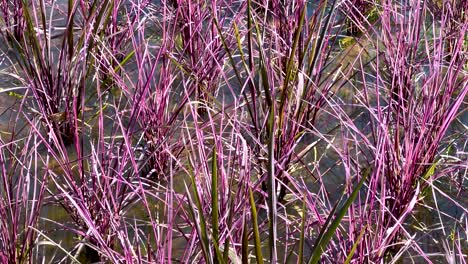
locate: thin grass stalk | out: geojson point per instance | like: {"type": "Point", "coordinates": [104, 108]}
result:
{"type": "Point", "coordinates": [214, 203]}
{"type": "Point", "coordinates": [272, 198]}
{"type": "Point", "coordinates": [302, 233]}
{"type": "Point", "coordinates": [256, 233]}
{"type": "Point", "coordinates": [322, 242]}
{"type": "Point", "coordinates": [203, 230]}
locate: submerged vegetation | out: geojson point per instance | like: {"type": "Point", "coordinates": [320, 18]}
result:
{"type": "Point", "coordinates": [227, 131]}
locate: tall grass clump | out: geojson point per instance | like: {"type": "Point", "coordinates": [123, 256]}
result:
{"type": "Point", "coordinates": [56, 47]}
{"type": "Point", "coordinates": [23, 190]}
{"type": "Point", "coordinates": [412, 91]}
{"type": "Point", "coordinates": [223, 131]}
